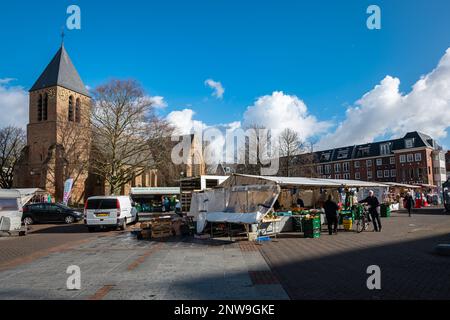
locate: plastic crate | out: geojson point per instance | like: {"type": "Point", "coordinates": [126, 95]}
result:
{"type": "Point", "coordinates": [385, 210]}
{"type": "Point", "coordinates": [312, 234]}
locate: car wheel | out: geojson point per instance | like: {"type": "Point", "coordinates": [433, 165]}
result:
{"type": "Point", "coordinates": [28, 220]}
{"type": "Point", "coordinates": [124, 224]}
{"type": "Point", "coordinates": [69, 219]}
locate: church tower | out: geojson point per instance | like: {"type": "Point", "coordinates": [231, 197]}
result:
{"type": "Point", "coordinates": [58, 133]}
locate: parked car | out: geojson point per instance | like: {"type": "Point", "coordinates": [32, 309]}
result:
{"type": "Point", "coordinates": [109, 212]}
{"type": "Point", "coordinates": [50, 212]}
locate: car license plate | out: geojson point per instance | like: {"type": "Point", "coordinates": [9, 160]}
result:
{"type": "Point", "coordinates": [102, 214]}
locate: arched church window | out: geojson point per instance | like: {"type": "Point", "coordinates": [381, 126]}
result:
{"type": "Point", "coordinates": [39, 109]}
{"type": "Point", "coordinates": [45, 108]}
{"type": "Point", "coordinates": [78, 110]}
{"type": "Point", "coordinates": [70, 108]}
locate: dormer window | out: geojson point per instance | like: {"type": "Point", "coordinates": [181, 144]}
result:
{"type": "Point", "coordinates": [364, 152]}
{"type": "Point", "coordinates": [409, 143]}
{"type": "Point", "coordinates": [342, 154]}
{"type": "Point", "coordinates": [385, 148]}
{"type": "Point", "coordinates": [325, 156]}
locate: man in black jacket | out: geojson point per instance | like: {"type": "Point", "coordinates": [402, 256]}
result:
{"type": "Point", "coordinates": [373, 203]}
{"type": "Point", "coordinates": [331, 212]}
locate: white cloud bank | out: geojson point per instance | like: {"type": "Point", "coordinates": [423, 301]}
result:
{"type": "Point", "coordinates": [13, 104]}
{"type": "Point", "coordinates": [279, 111]}
{"type": "Point", "coordinates": [218, 89]}
{"type": "Point", "coordinates": [386, 111]}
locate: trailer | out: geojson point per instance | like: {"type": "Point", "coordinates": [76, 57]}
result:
{"type": "Point", "coordinates": [11, 210]}
{"type": "Point", "coordinates": [11, 213]}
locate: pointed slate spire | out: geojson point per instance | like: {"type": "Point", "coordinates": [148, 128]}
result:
{"type": "Point", "coordinates": [61, 72]}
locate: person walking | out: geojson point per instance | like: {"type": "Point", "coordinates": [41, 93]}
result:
{"type": "Point", "coordinates": [373, 203]}
{"type": "Point", "coordinates": [409, 203]}
{"type": "Point", "coordinates": [331, 212]}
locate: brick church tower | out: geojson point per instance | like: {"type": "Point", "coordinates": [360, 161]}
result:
{"type": "Point", "coordinates": [58, 133]}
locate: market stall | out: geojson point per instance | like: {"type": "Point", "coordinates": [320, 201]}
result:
{"type": "Point", "coordinates": [397, 193]}
{"type": "Point", "coordinates": [257, 200]}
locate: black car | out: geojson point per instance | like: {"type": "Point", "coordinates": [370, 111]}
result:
{"type": "Point", "coordinates": [50, 212]}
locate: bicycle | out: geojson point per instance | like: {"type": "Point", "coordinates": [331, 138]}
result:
{"type": "Point", "coordinates": [363, 221]}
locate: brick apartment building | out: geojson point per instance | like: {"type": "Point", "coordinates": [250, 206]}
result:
{"type": "Point", "coordinates": [415, 158]}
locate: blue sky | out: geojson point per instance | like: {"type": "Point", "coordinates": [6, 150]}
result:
{"type": "Point", "coordinates": [320, 52]}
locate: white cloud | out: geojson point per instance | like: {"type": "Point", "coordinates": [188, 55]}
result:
{"type": "Point", "coordinates": [280, 111]}
{"type": "Point", "coordinates": [184, 123]}
{"type": "Point", "coordinates": [386, 111]}
{"type": "Point", "coordinates": [158, 102]}
{"type": "Point", "coordinates": [217, 87]}
{"type": "Point", "coordinates": [13, 104]}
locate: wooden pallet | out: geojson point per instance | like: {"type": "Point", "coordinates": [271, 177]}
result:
{"type": "Point", "coordinates": [161, 234]}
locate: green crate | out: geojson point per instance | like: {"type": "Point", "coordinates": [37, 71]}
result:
{"type": "Point", "coordinates": [385, 210]}
{"type": "Point", "coordinates": [312, 234]}
{"type": "Point", "coordinates": [311, 224]}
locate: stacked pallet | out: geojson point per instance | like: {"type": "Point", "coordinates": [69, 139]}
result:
{"type": "Point", "coordinates": [161, 228]}
{"type": "Point", "coordinates": [154, 229]}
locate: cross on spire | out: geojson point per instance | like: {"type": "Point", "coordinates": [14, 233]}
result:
{"type": "Point", "coordinates": [62, 36]}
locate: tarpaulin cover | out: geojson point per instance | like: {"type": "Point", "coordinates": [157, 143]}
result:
{"type": "Point", "coordinates": [239, 204]}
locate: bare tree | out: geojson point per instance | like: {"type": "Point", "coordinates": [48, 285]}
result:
{"type": "Point", "coordinates": [125, 129]}
{"type": "Point", "coordinates": [12, 141]}
{"type": "Point", "coordinates": [290, 146]}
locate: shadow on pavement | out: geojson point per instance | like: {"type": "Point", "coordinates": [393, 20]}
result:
{"type": "Point", "coordinates": [409, 270]}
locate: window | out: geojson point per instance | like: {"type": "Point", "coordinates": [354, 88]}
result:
{"type": "Point", "coordinates": [337, 167]}
{"type": "Point", "coordinates": [45, 108]}
{"type": "Point", "coordinates": [369, 163]}
{"type": "Point", "coordinates": [409, 143]}
{"type": "Point", "coordinates": [8, 204]}
{"type": "Point", "coordinates": [385, 148]}
{"type": "Point", "coordinates": [327, 169]}
{"type": "Point", "coordinates": [410, 157]}
{"type": "Point", "coordinates": [337, 176]}
{"type": "Point", "coordinates": [356, 164]}
{"type": "Point", "coordinates": [78, 110]}
{"type": "Point", "coordinates": [386, 173]}
{"type": "Point", "coordinates": [342, 154]}
{"type": "Point", "coordinates": [347, 176]}
{"type": "Point", "coordinates": [70, 108]}
{"type": "Point", "coordinates": [319, 169]}
{"type": "Point", "coordinates": [325, 156]}
{"type": "Point", "coordinates": [39, 110]}
{"type": "Point", "coordinates": [392, 160]}
{"type": "Point", "coordinates": [345, 166]}
{"type": "Point", "coordinates": [379, 173]}
{"type": "Point", "coordinates": [418, 157]}
{"type": "Point", "coordinates": [379, 162]}
{"type": "Point", "coordinates": [393, 173]}
{"type": "Point", "coordinates": [363, 152]}
{"type": "Point", "coordinates": [357, 175]}
{"type": "Point", "coordinates": [95, 204]}
{"type": "Point", "coordinates": [369, 174]}
{"type": "Point", "coordinates": [402, 158]}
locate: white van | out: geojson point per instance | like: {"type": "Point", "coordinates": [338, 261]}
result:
{"type": "Point", "coordinates": [11, 211]}
{"type": "Point", "coordinates": [109, 212]}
